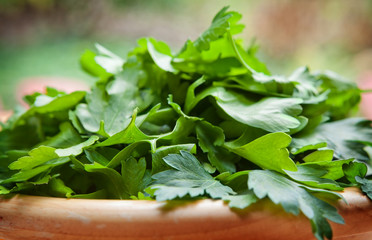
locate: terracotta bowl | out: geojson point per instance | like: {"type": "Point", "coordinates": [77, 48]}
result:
{"type": "Point", "coordinates": [40, 218]}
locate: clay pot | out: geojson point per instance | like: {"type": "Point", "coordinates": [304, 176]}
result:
{"type": "Point", "coordinates": [40, 218]}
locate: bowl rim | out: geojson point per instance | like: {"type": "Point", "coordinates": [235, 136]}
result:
{"type": "Point", "coordinates": [31, 217]}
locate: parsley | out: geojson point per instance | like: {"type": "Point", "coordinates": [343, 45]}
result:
{"type": "Point", "coordinates": [209, 121]}
{"type": "Point", "coordinates": [294, 198]}
{"type": "Point", "coordinates": [187, 178]}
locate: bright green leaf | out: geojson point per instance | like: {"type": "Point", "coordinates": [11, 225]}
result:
{"type": "Point", "coordinates": [319, 156]}
{"type": "Point", "coordinates": [269, 152]}
{"type": "Point", "coordinates": [36, 157]}
{"type": "Point", "coordinates": [77, 149]}
{"type": "Point", "coordinates": [242, 200]}
{"type": "Point", "coordinates": [312, 176]}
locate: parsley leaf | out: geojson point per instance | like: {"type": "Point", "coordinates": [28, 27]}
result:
{"type": "Point", "coordinates": [241, 200]}
{"type": "Point", "coordinates": [220, 24]}
{"type": "Point", "coordinates": [135, 176]}
{"type": "Point", "coordinates": [211, 140]}
{"type": "Point", "coordinates": [108, 111]}
{"type": "Point", "coordinates": [294, 198]}
{"type": "Point", "coordinates": [187, 177]}
{"type": "Point", "coordinates": [312, 176]}
{"type": "Point", "coordinates": [268, 151]}
{"type": "Point", "coordinates": [366, 185]}
{"type": "Point", "coordinates": [347, 143]}
{"type": "Point", "coordinates": [270, 114]}
{"type": "Point", "coordinates": [36, 157]}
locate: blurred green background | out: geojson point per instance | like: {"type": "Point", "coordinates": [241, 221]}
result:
{"type": "Point", "coordinates": [45, 38]}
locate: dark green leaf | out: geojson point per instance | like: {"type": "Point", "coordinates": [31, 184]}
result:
{"type": "Point", "coordinates": [133, 173]}
{"type": "Point", "coordinates": [270, 114]}
{"type": "Point", "coordinates": [353, 170]}
{"type": "Point", "coordinates": [366, 186]}
{"type": "Point", "coordinates": [187, 178]}
{"type": "Point", "coordinates": [113, 181]}
{"type": "Point", "coordinates": [159, 165]}
{"type": "Point", "coordinates": [66, 137]}
{"type": "Point", "coordinates": [293, 198]}
{"type": "Point", "coordinates": [211, 140]}
{"type": "Point", "coordinates": [347, 143]}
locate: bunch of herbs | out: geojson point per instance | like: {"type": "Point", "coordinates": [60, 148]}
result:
{"type": "Point", "coordinates": [210, 121]}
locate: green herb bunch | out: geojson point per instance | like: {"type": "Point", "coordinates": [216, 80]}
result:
{"type": "Point", "coordinates": [208, 122]}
